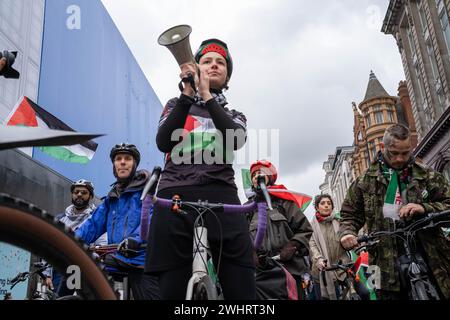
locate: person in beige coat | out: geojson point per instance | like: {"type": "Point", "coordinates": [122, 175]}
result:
{"type": "Point", "coordinates": [325, 248]}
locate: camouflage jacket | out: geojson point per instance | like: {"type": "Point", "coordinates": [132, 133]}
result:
{"type": "Point", "coordinates": [364, 204]}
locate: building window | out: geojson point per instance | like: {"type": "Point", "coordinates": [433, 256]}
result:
{"type": "Point", "coordinates": [374, 152]}
{"type": "Point", "coordinates": [421, 86]}
{"type": "Point", "coordinates": [368, 121]}
{"type": "Point", "coordinates": [422, 16]}
{"type": "Point", "coordinates": [436, 81]}
{"type": "Point", "coordinates": [441, 97]}
{"type": "Point", "coordinates": [443, 17]}
{"type": "Point", "coordinates": [379, 117]}
{"type": "Point", "coordinates": [411, 43]}
{"type": "Point", "coordinates": [390, 116]}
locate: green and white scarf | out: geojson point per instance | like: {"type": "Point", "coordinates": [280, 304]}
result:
{"type": "Point", "coordinates": [396, 192]}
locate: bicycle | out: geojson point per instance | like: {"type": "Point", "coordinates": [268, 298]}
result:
{"type": "Point", "coordinates": [47, 294]}
{"type": "Point", "coordinates": [118, 275]}
{"type": "Point", "coordinates": [24, 225]}
{"type": "Point", "coordinates": [350, 287]}
{"type": "Point", "coordinates": [414, 273]}
{"type": "Point", "coordinates": [204, 283]}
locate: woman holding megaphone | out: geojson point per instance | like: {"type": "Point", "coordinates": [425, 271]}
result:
{"type": "Point", "coordinates": [199, 134]}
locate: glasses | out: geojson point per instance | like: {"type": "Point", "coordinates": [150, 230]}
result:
{"type": "Point", "coordinates": [82, 192]}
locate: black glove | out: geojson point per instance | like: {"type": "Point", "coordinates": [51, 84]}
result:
{"type": "Point", "coordinates": [129, 247]}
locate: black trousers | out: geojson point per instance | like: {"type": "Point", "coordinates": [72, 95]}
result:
{"type": "Point", "coordinates": [170, 244]}
{"type": "Point", "coordinates": [237, 282]}
{"type": "Point", "coordinates": [143, 286]}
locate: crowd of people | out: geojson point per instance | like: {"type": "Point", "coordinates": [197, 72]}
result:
{"type": "Point", "coordinates": [161, 268]}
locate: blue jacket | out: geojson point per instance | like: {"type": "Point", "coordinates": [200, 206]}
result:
{"type": "Point", "coordinates": [120, 216]}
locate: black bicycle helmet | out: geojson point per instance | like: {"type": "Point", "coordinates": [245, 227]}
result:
{"type": "Point", "coordinates": [215, 45]}
{"type": "Point", "coordinates": [83, 183]}
{"type": "Point", "coordinates": [126, 148]}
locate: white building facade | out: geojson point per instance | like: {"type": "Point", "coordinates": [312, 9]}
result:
{"type": "Point", "coordinates": [21, 30]}
{"type": "Point", "coordinates": [338, 175]}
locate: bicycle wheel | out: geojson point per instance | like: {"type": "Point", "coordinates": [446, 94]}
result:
{"type": "Point", "coordinates": [420, 291]}
{"type": "Point", "coordinates": [205, 289]}
{"type": "Point", "coordinates": [354, 296]}
{"type": "Point", "coordinates": [26, 226]}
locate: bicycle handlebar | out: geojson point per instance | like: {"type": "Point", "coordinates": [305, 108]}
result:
{"type": "Point", "coordinates": [436, 215]}
{"type": "Point", "coordinates": [226, 208]}
{"type": "Point", "coordinates": [432, 217]}
{"type": "Point", "coordinates": [339, 266]}
{"type": "Point", "coordinates": [151, 184]}
{"type": "Point", "coordinates": [149, 199]}
{"type": "Point", "coordinates": [22, 276]}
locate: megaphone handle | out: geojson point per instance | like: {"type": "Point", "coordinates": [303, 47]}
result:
{"type": "Point", "coordinates": [189, 79]}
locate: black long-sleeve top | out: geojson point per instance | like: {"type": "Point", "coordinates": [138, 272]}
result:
{"type": "Point", "coordinates": [204, 119]}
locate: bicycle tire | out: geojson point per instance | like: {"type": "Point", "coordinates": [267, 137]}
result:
{"type": "Point", "coordinates": [65, 298]}
{"type": "Point", "coordinates": [420, 291]}
{"type": "Point", "coordinates": [354, 296]}
{"type": "Point", "coordinates": [205, 289]}
{"type": "Point", "coordinates": [26, 226]}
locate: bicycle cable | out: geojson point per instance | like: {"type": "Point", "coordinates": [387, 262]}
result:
{"type": "Point", "coordinates": [200, 216]}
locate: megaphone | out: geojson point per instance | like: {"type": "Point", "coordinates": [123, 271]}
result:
{"type": "Point", "coordinates": [176, 39]}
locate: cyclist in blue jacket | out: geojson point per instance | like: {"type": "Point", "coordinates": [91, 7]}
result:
{"type": "Point", "coordinates": [120, 216]}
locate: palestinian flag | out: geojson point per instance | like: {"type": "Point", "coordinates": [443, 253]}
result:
{"type": "Point", "coordinates": [361, 264]}
{"type": "Point", "coordinates": [247, 182]}
{"type": "Point", "coordinates": [200, 135]}
{"type": "Point", "coordinates": [280, 191]}
{"type": "Point", "coordinates": [393, 200]}
{"type": "Point", "coordinates": [27, 113]}
{"type": "Point", "coordinates": [301, 200]}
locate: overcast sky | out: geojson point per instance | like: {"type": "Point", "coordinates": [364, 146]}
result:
{"type": "Point", "coordinates": [298, 65]}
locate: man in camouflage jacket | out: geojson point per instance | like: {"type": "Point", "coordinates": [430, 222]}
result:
{"type": "Point", "coordinates": [426, 191]}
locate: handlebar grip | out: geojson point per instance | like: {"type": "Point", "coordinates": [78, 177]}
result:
{"type": "Point", "coordinates": [237, 208]}
{"type": "Point", "coordinates": [363, 238]}
{"type": "Point", "coordinates": [437, 215]}
{"type": "Point", "coordinates": [262, 225]}
{"type": "Point", "coordinates": [145, 213]}
{"type": "Point", "coordinates": [151, 184]}
{"type": "Point", "coordinates": [263, 187]}
{"type": "Point", "coordinates": [332, 268]}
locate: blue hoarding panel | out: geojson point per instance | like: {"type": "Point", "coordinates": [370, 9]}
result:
{"type": "Point", "coordinates": [90, 80]}
{"type": "Point", "coordinates": [13, 261]}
